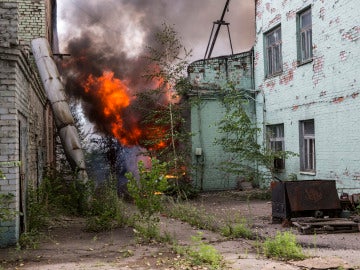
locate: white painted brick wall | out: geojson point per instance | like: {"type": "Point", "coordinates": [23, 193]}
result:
{"type": "Point", "coordinates": [327, 89]}
{"type": "Point", "coordinates": [22, 99]}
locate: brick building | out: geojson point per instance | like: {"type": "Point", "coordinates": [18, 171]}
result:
{"type": "Point", "coordinates": [307, 76]}
{"type": "Point", "coordinates": [306, 65]}
{"type": "Point", "coordinates": [26, 120]}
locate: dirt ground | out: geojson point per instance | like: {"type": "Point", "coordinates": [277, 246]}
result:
{"type": "Point", "coordinates": [66, 245]}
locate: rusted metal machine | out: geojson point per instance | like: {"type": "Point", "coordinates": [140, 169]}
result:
{"type": "Point", "coordinates": [308, 198]}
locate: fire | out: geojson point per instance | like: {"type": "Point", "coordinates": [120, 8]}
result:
{"type": "Point", "coordinates": [115, 98]}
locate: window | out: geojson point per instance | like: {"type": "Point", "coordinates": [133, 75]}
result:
{"type": "Point", "coordinates": [276, 143]}
{"type": "Point", "coordinates": [307, 146]}
{"type": "Point", "coordinates": [273, 52]}
{"type": "Point", "coordinates": [305, 36]}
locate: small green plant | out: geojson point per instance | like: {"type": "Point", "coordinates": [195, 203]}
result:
{"type": "Point", "coordinates": [283, 247]}
{"type": "Point", "coordinates": [6, 213]}
{"type": "Point", "coordinates": [237, 230]}
{"type": "Point", "coordinates": [58, 193]}
{"type": "Point", "coordinates": [147, 194]}
{"type": "Point", "coordinates": [147, 231]}
{"type": "Point", "coordinates": [195, 216]}
{"type": "Point", "coordinates": [29, 240]}
{"type": "Point", "coordinates": [357, 209]}
{"type": "Point", "coordinates": [106, 210]}
{"type": "Point", "coordinates": [200, 253]}
{"type": "Point", "coordinates": [37, 211]}
{"type": "Point", "coordinates": [239, 139]}
{"type": "Point", "coordinates": [147, 191]}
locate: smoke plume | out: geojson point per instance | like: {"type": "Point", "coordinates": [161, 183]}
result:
{"type": "Point", "coordinates": [113, 36]}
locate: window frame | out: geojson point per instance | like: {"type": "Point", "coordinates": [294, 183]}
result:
{"type": "Point", "coordinates": [273, 67]}
{"type": "Point", "coordinates": [307, 148]}
{"type": "Point", "coordinates": [304, 36]}
{"type": "Point", "coordinates": [272, 139]}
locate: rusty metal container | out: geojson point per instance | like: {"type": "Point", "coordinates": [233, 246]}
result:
{"type": "Point", "coordinates": [305, 198]}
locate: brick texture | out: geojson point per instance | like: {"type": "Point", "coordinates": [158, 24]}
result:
{"type": "Point", "coordinates": [26, 124]}
{"type": "Point", "coordinates": [326, 89]}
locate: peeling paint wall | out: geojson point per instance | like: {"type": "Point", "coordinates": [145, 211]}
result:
{"type": "Point", "coordinates": [207, 78]}
{"type": "Point", "coordinates": [26, 121]}
{"type": "Point", "coordinates": [325, 89]}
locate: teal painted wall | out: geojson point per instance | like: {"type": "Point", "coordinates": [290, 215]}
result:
{"type": "Point", "coordinates": [207, 78]}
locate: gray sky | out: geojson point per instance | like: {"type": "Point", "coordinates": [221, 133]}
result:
{"type": "Point", "coordinates": [128, 23]}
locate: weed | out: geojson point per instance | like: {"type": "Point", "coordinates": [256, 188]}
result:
{"type": "Point", "coordinates": [148, 231]}
{"type": "Point", "coordinates": [357, 209]}
{"type": "Point", "coordinates": [126, 253]}
{"type": "Point", "coordinates": [315, 242]}
{"type": "Point", "coordinates": [37, 212]}
{"type": "Point", "coordinates": [201, 253]}
{"type": "Point", "coordinates": [237, 230]}
{"type": "Point", "coordinates": [6, 213]}
{"type": "Point", "coordinates": [283, 246]}
{"type": "Point", "coordinates": [29, 240]}
{"type": "Point", "coordinates": [195, 216]}
{"type": "Point", "coordinates": [106, 210]}
{"type": "Point", "coordinates": [147, 194]}
{"type": "Point", "coordinates": [147, 191]}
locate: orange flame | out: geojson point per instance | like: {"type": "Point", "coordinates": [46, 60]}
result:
{"type": "Point", "coordinates": [115, 98]}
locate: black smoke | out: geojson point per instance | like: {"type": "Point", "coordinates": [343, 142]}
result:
{"type": "Point", "coordinates": [113, 35]}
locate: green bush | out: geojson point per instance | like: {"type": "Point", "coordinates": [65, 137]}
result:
{"type": "Point", "coordinates": [63, 193]}
{"type": "Point", "coordinates": [284, 247]}
{"type": "Point", "coordinates": [147, 190]}
{"type": "Point", "coordinates": [201, 253]}
{"type": "Point", "coordinates": [147, 193]}
{"type": "Point", "coordinates": [106, 210]}
{"type": "Point", "coordinates": [29, 240]}
{"type": "Point", "coordinates": [181, 188]}
{"type": "Point", "coordinates": [37, 210]}
{"type": "Point", "coordinates": [237, 230]}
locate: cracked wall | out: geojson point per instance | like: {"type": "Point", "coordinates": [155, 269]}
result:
{"type": "Point", "coordinates": [26, 121]}
{"type": "Point", "coordinates": [208, 77]}
{"type": "Point", "coordinates": [325, 89]}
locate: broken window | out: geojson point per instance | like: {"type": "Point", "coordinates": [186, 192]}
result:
{"type": "Point", "coordinates": [305, 36]}
{"type": "Point", "coordinates": [276, 143]}
{"type": "Point", "coordinates": [273, 52]}
{"type": "Point", "coordinates": [307, 146]}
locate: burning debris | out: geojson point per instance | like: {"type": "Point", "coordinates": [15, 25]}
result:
{"type": "Point", "coordinates": [108, 92]}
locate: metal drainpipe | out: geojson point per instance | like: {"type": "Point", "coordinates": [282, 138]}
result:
{"type": "Point", "coordinates": [263, 96]}
{"type": "Point", "coordinates": [200, 161]}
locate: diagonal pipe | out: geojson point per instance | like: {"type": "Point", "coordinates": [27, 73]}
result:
{"type": "Point", "coordinates": [64, 120]}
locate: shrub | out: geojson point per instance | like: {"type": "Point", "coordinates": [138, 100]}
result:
{"type": "Point", "coordinates": [106, 210]}
{"type": "Point", "coordinates": [283, 246]}
{"type": "Point", "coordinates": [201, 253]}
{"type": "Point", "coordinates": [147, 194]}
{"type": "Point", "coordinates": [237, 230]}
{"type": "Point", "coordinates": [147, 191]}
